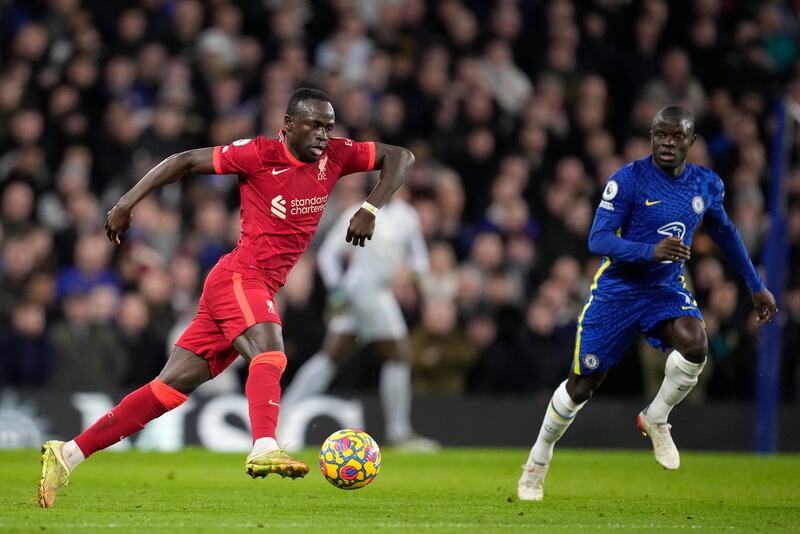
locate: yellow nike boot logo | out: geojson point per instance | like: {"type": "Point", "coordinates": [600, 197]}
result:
{"type": "Point", "coordinates": [649, 203]}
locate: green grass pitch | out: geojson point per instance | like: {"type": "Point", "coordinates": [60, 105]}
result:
{"type": "Point", "coordinates": [459, 490]}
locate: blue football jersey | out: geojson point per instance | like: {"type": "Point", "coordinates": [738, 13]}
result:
{"type": "Point", "coordinates": [643, 205]}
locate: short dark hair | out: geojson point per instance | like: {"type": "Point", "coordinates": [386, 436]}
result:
{"type": "Point", "coordinates": [675, 113]}
{"type": "Point", "coordinates": [302, 94]}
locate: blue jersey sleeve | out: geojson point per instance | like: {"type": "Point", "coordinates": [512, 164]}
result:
{"type": "Point", "coordinates": [615, 207]}
{"type": "Point", "coordinates": [722, 230]}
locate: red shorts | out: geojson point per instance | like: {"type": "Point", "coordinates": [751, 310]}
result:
{"type": "Point", "coordinates": [230, 304]}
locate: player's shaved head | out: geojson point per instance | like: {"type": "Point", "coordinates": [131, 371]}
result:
{"type": "Point", "coordinates": [301, 95]}
{"type": "Point", "coordinates": [671, 136]}
{"type": "Point", "coordinates": [308, 123]}
{"type": "Point", "coordinates": [676, 115]}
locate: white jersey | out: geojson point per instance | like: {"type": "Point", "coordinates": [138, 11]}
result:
{"type": "Point", "coordinates": [398, 236]}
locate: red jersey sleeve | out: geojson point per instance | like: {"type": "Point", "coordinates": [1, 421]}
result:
{"type": "Point", "coordinates": [240, 157]}
{"type": "Point", "coordinates": [356, 156]}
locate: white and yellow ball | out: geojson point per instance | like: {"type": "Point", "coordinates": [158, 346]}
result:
{"type": "Point", "coordinates": [350, 459]}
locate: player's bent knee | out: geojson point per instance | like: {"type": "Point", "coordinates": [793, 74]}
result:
{"type": "Point", "coordinates": [581, 387]}
{"type": "Point", "coordinates": [259, 338]}
{"type": "Point", "coordinates": [695, 348]}
{"type": "Point", "coordinates": [583, 394]}
{"type": "Point", "coordinates": [689, 337]}
{"type": "Point", "coordinates": [181, 380]}
{"type": "Point", "coordinates": [185, 371]}
{"type": "Point", "coordinates": [579, 397]}
{"type": "Point", "coordinates": [580, 390]}
{"type": "Point", "coordinates": [696, 353]}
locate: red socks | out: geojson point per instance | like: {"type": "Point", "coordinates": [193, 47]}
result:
{"type": "Point", "coordinates": [129, 416]}
{"type": "Point", "coordinates": [263, 390]}
{"type": "Point", "coordinates": [153, 400]}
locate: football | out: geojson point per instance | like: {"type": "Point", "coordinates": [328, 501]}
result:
{"type": "Point", "coordinates": [350, 459]}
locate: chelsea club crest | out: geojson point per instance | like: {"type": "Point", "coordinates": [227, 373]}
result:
{"type": "Point", "coordinates": [590, 361]}
{"type": "Point", "coordinates": [698, 205]}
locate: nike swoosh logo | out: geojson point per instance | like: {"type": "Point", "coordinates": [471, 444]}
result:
{"type": "Point", "coordinates": [688, 307]}
{"type": "Point", "coordinates": [646, 202]}
{"type": "Point", "coordinates": [276, 172]}
{"type": "Point", "coordinates": [273, 403]}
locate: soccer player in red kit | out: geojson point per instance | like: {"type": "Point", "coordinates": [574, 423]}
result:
{"type": "Point", "coordinates": [284, 185]}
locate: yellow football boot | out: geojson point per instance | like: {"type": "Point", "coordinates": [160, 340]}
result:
{"type": "Point", "coordinates": [54, 473]}
{"type": "Point", "coordinates": [275, 461]}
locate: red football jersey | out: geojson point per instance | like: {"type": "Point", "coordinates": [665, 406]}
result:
{"type": "Point", "coordinates": [282, 199]}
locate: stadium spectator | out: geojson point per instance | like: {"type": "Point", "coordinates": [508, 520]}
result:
{"type": "Point", "coordinates": [507, 365]}
{"type": "Point", "coordinates": [547, 345]}
{"type": "Point", "coordinates": [517, 112]}
{"type": "Point", "coordinates": [18, 266]}
{"type": "Point", "coordinates": [145, 355]}
{"type": "Point", "coordinates": [26, 352]}
{"type": "Point", "coordinates": [91, 267]}
{"type": "Point", "coordinates": [676, 84]}
{"type": "Point", "coordinates": [17, 208]}
{"type": "Point", "coordinates": [89, 356]}
{"type": "Point", "coordinates": [730, 345]}
{"type": "Point", "coordinates": [442, 280]}
{"type": "Point", "coordinates": [440, 354]}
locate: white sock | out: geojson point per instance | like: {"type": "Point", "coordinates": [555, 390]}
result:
{"type": "Point", "coordinates": [72, 454]}
{"type": "Point", "coordinates": [680, 376]}
{"type": "Point", "coordinates": [263, 445]}
{"type": "Point", "coordinates": [560, 413]}
{"type": "Point", "coordinates": [313, 378]}
{"type": "Point", "coordinates": [395, 392]}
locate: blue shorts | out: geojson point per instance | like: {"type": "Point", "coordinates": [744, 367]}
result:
{"type": "Point", "coordinates": [608, 322]}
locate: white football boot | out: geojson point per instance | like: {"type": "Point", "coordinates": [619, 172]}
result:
{"type": "Point", "coordinates": [666, 452]}
{"type": "Point", "coordinates": [531, 483]}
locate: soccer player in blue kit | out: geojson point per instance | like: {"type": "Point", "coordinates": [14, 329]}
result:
{"type": "Point", "coordinates": [643, 229]}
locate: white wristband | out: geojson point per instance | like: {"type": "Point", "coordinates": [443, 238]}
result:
{"type": "Point", "coordinates": [370, 208]}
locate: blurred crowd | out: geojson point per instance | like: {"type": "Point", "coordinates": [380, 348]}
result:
{"type": "Point", "coordinates": [517, 112]}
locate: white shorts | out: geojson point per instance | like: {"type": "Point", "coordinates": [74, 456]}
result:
{"type": "Point", "coordinates": [371, 315]}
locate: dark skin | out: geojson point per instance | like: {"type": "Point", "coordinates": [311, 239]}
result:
{"type": "Point", "coordinates": [671, 137]}
{"type": "Point", "coordinates": [308, 131]}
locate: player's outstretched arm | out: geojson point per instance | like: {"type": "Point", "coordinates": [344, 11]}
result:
{"type": "Point", "coordinates": [395, 163]}
{"type": "Point", "coordinates": [199, 161]}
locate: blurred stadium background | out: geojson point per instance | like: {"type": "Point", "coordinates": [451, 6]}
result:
{"type": "Point", "coordinates": [517, 112]}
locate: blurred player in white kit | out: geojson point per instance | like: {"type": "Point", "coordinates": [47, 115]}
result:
{"type": "Point", "coordinates": [359, 281]}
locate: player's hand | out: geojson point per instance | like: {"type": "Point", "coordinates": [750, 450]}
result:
{"type": "Point", "coordinates": [672, 249]}
{"type": "Point", "coordinates": [362, 226]}
{"type": "Point", "coordinates": [765, 305]}
{"type": "Point", "coordinates": [118, 221]}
